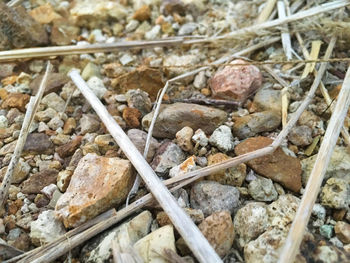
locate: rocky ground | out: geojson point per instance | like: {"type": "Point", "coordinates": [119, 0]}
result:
{"type": "Point", "coordinates": [72, 170]}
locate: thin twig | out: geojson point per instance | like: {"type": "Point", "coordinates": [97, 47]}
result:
{"type": "Point", "coordinates": [28, 118]}
{"type": "Point", "coordinates": [266, 12]}
{"type": "Point", "coordinates": [13, 3]}
{"type": "Point", "coordinates": [207, 101]}
{"type": "Point", "coordinates": [285, 36]}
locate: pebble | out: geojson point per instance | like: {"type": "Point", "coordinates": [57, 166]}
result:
{"type": "Point", "coordinates": [200, 138]}
{"type": "Point", "coordinates": [132, 117]}
{"type": "Point", "coordinates": [180, 64]}
{"type": "Point", "coordinates": [188, 165]}
{"type": "Point", "coordinates": [187, 29]}
{"type": "Point", "coordinates": [70, 147]}
{"type": "Point", "coordinates": [300, 135]}
{"type": "Point", "coordinates": [200, 80]}
{"type": "Point", "coordinates": [45, 115]}
{"type": "Point", "coordinates": [18, 239]}
{"type": "Point", "coordinates": [89, 123]}
{"type": "Point", "coordinates": [183, 139]}
{"type": "Point", "coordinates": [138, 138]}
{"type": "Point", "coordinates": [219, 231]}
{"type": "Point", "coordinates": [36, 182]}
{"type": "Point", "coordinates": [46, 228]}
{"type": "Point", "coordinates": [140, 100]}
{"type": "Point", "coordinates": [327, 231]}
{"type": "Point", "coordinates": [319, 211]}
{"type": "Point", "coordinates": [52, 100]}
{"type": "Point", "coordinates": [335, 193]}
{"type": "Point", "coordinates": [262, 189]}
{"type": "Point", "coordinates": [3, 122]}
{"type": "Point", "coordinates": [38, 143]}
{"type": "Point", "coordinates": [97, 86]}
{"type": "Point", "coordinates": [20, 172]}
{"type": "Point", "coordinates": [167, 156]}
{"type": "Point", "coordinates": [63, 180]}
{"type": "Point", "coordinates": [105, 143]}
{"type": "Point", "coordinates": [267, 99]}
{"type": "Point", "coordinates": [277, 166]}
{"type": "Point", "coordinates": [250, 221]}
{"type": "Point", "coordinates": [237, 83]}
{"type": "Point", "coordinates": [153, 33]}
{"type": "Point", "coordinates": [282, 211]}
{"type": "Point", "coordinates": [143, 13]}
{"type": "Point", "coordinates": [342, 231]}
{"type": "Point", "coordinates": [175, 116]}
{"type": "Point", "coordinates": [55, 82]}
{"type": "Point", "coordinates": [252, 124]}
{"type": "Point", "coordinates": [211, 197]}
{"type": "Point", "coordinates": [222, 139]}
{"type": "Point", "coordinates": [196, 216]}
{"type": "Point", "coordinates": [131, 26]}
{"type": "Point", "coordinates": [69, 126]}
{"type": "Point", "coordinates": [15, 100]}
{"type": "Point", "coordinates": [83, 199]}
{"type": "Point", "coordinates": [55, 123]}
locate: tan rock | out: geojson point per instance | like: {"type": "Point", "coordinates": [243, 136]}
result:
{"type": "Point", "coordinates": [16, 100]}
{"type": "Point", "coordinates": [143, 13]}
{"type": "Point", "coordinates": [183, 138]}
{"type": "Point", "coordinates": [342, 230]}
{"type": "Point", "coordinates": [63, 32]}
{"type": "Point", "coordinates": [44, 14]}
{"type": "Point", "coordinates": [132, 117]}
{"type": "Point", "coordinates": [69, 126]}
{"type": "Point", "coordinates": [98, 183]}
{"type": "Point", "coordinates": [278, 166]}
{"type": "Point", "coordinates": [218, 229]}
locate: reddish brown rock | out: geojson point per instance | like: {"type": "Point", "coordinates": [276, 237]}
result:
{"type": "Point", "coordinates": [16, 100]}
{"type": "Point", "coordinates": [278, 166]}
{"type": "Point", "coordinates": [143, 13]}
{"type": "Point", "coordinates": [98, 183]}
{"type": "Point", "coordinates": [218, 229]}
{"type": "Point", "coordinates": [342, 230]}
{"type": "Point", "coordinates": [238, 82]}
{"type": "Point", "coordinates": [63, 32]}
{"type": "Point", "coordinates": [38, 181]}
{"type": "Point", "coordinates": [132, 117]}
{"type": "Point", "coordinates": [69, 148]}
{"type": "Point", "coordinates": [144, 78]}
{"type": "Point", "coordinates": [38, 143]}
{"type": "Point", "coordinates": [54, 83]}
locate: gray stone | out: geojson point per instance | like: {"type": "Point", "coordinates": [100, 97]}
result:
{"type": "Point", "coordinates": [153, 33]}
{"type": "Point", "coordinates": [38, 143]}
{"type": "Point", "coordinates": [200, 80]}
{"type": "Point", "coordinates": [89, 124]}
{"type": "Point", "coordinates": [262, 189]}
{"type": "Point", "coordinates": [300, 135]}
{"type": "Point", "coordinates": [267, 99]}
{"type": "Point", "coordinates": [3, 122]}
{"type": "Point", "coordinates": [187, 29]}
{"type": "Point", "coordinates": [200, 138]}
{"type": "Point", "coordinates": [222, 139]}
{"type": "Point", "coordinates": [175, 116]}
{"type": "Point", "coordinates": [55, 123]}
{"type": "Point", "coordinates": [20, 172]}
{"type": "Point", "coordinates": [131, 26]}
{"type": "Point", "coordinates": [336, 193]}
{"type": "Point", "coordinates": [211, 197]}
{"type": "Point", "coordinates": [183, 139]}
{"type": "Point", "coordinates": [45, 115]}
{"type": "Point", "coordinates": [52, 100]}
{"type": "Point", "coordinates": [319, 211]}
{"type": "Point", "coordinates": [140, 100]}
{"type": "Point", "coordinates": [179, 61]}
{"type": "Point", "coordinates": [97, 86]}
{"type": "Point", "coordinates": [90, 70]}
{"type": "Point", "coordinates": [138, 138]}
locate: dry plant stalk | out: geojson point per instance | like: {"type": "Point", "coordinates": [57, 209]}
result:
{"type": "Point", "coordinates": [266, 12]}
{"type": "Point", "coordinates": [28, 118]}
{"type": "Point", "coordinates": [285, 36]}
{"type": "Point", "coordinates": [195, 240]}
{"type": "Point", "coordinates": [324, 155]}
{"type": "Point", "coordinates": [315, 50]}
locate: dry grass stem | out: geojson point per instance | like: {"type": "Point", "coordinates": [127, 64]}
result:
{"type": "Point", "coordinates": [266, 12]}
{"type": "Point", "coordinates": [285, 36]}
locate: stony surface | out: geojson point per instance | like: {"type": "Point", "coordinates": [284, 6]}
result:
{"type": "Point", "coordinates": [174, 117]}
{"type": "Point", "coordinates": [222, 139]}
{"type": "Point", "coordinates": [83, 201]}
{"type": "Point", "coordinates": [278, 166]}
{"type": "Point", "coordinates": [20, 172]}
{"type": "Point", "coordinates": [211, 197]}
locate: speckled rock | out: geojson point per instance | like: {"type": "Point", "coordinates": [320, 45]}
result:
{"type": "Point", "coordinates": [250, 221]}
{"type": "Point", "coordinates": [132, 117]}
{"type": "Point", "coordinates": [300, 135]}
{"type": "Point", "coordinates": [282, 211]}
{"type": "Point", "coordinates": [45, 115]}
{"type": "Point", "coordinates": [83, 199]}
{"type": "Point", "coordinates": [335, 193]}
{"type": "Point", "coordinates": [140, 100]}
{"type": "Point", "coordinates": [8, 148]}
{"type": "Point", "coordinates": [278, 166]}
{"type": "Point", "coordinates": [105, 143]}
{"type": "Point", "coordinates": [237, 82]}
{"type": "Point", "coordinates": [222, 139]}
{"type": "Point", "coordinates": [46, 228]}
{"type": "Point", "coordinates": [219, 231]}
{"type": "Point", "coordinates": [187, 166]}
{"type": "Point", "coordinates": [183, 138]}
{"type": "Point", "coordinates": [63, 179]}
{"type": "Point", "coordinates": [211, 197]}
{"type": "Point", "coordinates": [167, 156]}
{"type": "Point", "coordinates": [175, 116]}
{"type": "Point", "coordinates": [200, 138]}
{"type": "Point", "coordinates": [20, 172]}
{"type": "Point", "coordinates": [52, 100]}
{"type": "Point", "coordinates": [54, 83]}
{"type": "Point", "coordinates": [252, 124]}
{"type": "Point", "coordinates": [262, 189]}
{"type": "Point", "coordinates": [342, 230]}
{"type": "Point", "coordinates": [36, 182]}
{"type": "Point", "coordinates": [326, 231]}
{"type": "Point", "coordinates": [233, 176]}
{"type": "Point", "coordinates": [89, 123]}
{"type": "Point", "coordinates": [138, 138]}
{"type": "Point", "coordinates": [329, 254]}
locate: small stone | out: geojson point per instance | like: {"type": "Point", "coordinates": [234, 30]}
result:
{"type": "Point", "coordinates": [219, 231]}
{"type": "Point", "coordinates": [38, 143]}
{"type": "Point", "coordinates": [3, 122]}
{"type": "Point", "coordinates": [200, 80]}
{"type": "Point", "coordinates": [222, 139]}
{"type": "Point", "coordinates": [335, 193]}
{"type": "Point", "coordinates": [237, 82]}
{"type": "Point", "coordinates": [105, 143]}
{"type": "Point", "coordinates": [153, 33]}
{"type": "Point", "coordinates": [69, 126]}
{"type": "Point", "coordinates": [267, 99]}
{"type": "Point", "coordinates": [8, 148]}
{"type": "Point", "coordinates": [19, 239]}
{"type": "Point", "coordinates": [63, 180]}
{"type": "Point", "coordinates": [131, 26]}
{"type": "Point", "coordinates": [233, 176]}
{"type": "Point", "coordinates": [49, 190]}
{"type": "Point", "coordinates": [300, 135]}
{"type": "Point", "coordinates": [282, 211]}
{"type": "Point", "coordinates": [188, 165]}
{"type": "Point", "coordinates": [252, 124]}
{"type": "Point", "coordinates": [52, 100]}
{"type": "Point", "coordinates": [55, 123]}
{"type": "Point", "coordinates": [46, 228]}
{"type": "Point", "coordinates": [175, 116]}
{"type": "Point", "coordinates": [89, 123]}
{"type": "Point", "coordinates": [83, 199]}
{"type": "Point", "coordinates": [151, 247]}
{"type": "Point", "coordinates": [262, 189]}
{"type": "Point", "coordinates": [167, 156]}
{"type": "Point", "coordinates": [200, 138]}
{"type": "Point", "coordinates": [15, 100]}
{"type": "Point", "coordinates": [143, 13]}
{"type": "Point", "coordinates": [140, 100]}
{"type": "Point", "coordinates": [211, 197]}
{"type": "Point", "coordinates": [131, 117]}
{"type": "Point", "coordinates": [44, 14]}
{"type": "Point", "coordinates": [20, 172]}
{"type": "Point", "coordinates": [327, 231]}
{"type": "Point", "coordinates": [183, 138]}
{"type": "Point", "coordinates": [187, 29]}
{"type": "Point", "coordinates": [38, 181]}
{"type": "Point", "coordinates": [195, 214]}
{"type": "Point", "coordinates": [336, 242]}
{"type": "Point", "coordinates": [63, 32]}
{"type": "Point", "coordinates": [45, 115]}
{"type": "Point", "coordinates": [319, 211]}
{"type": "Point", "coordinates": [126, 58]}
{"type": "Point", "coordinates": [41, 200]}
{"type": "Point", "coordinates": [55, 197]}
{"type": "Point", "coordinates": [250, 221]}
{"type": "Point", "coordinates": [138, 138]}
{"type": "Point", "coordinates": [54, 83]}
{"type": "Point", "coordinates": [277, 166]}
{"type": "Point", "coordinates": [97, 86]}
{"type": "Point", "coordinates": [69, 148]}
{"type": "Point", "coordinates": [92, 70]}
{"type": "Point", "coordinates": [179, 63]}
{"type": "Point", "coordinates": [342, 230]}
{"type": "Point", "coordinates": [60, 139]}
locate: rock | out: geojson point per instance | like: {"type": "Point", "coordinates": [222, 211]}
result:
{"type": "Point", "coordinates": [92, 70]}
{"type": "Point", "coordinates": [8, 148]}
{"type": "Point", "coordinates": [329, 254]}
{"type": "Point", "coordinates": [52, 100]}
{"type": "Point", "coordinates": [7, 69]}
{"type": "Point", "coordinates": [262, 189]}
{"type": "Point", "coordinates": [38, 143]}
{"type": "Point", "coordinates": [267, 99]}
{"type": "Point", "coordinates": [69, 148]}
{"type": "Point", "coordinates": [15, 100]}
{"type": "Point", "coordinates": [41, 200]}
{"type": "Point", "coordinates": [250, 221]}
{"type": "Point", "coordinates": [319, 211]}
{"type": "Point", "coordinates": [3, 122]}
{"type": "Point", "coordinates": [178, 64]}
{"type": "Point", "coordinates": [233, 176]}
{"type": "Point", "coordinates": [277, 166]}
{"type": "Point", "coordinates": [300, 135]}
{"type": "Point", "coordinates": [63, 180]}
{"type": "Point", "coordinates": [138, 138]}
{"type": "Point", "coordinates": [69, 126]}
{"type": "Point", "coordinates": [282, 211]}
{"type": "Point", "coordinates": [200, 138]}
{"type": "Point", "coordinates": [219, 231]}
{"type": "Point", "coordinates": [97, 86]}
{"type": "Point", "coordinates": [83, 199]}
{"type": "Point", "coordinates": [63, 32]}
{"type": "Point", "coordinates": [55, 82]}
{"type": "Point", "coordinates": [105, 143]}
{"type": "Point", "coordinates": [342, 230]}
{"type": "Point", "coordinates": [44, 14]}
{"type": "Point", "coordinates": [143, 78]}
{"type": "Point", "coordinates": [140, 100]}
{"type": "Point", "coordinates": [89, 123]}
{"type": "Point", "coordinates": [237, 82]}
{"type": "Point", "coordinates": [18, 239]}
{"type": "Point", "coordinates": [20, 172]}
{"type": "Point", "coordinates": [123, 236]}
{"type": "Point", "coordinates": [143, 13]}
{"type": "Point", "coordinates": [60, 139]}
{"type": "Point", "coordinates": [336, 193]}
{"type": "Point", "coordinates": [45, 115]}
{"type": "Point", "coordinates": [175, 116]}
{"type": "Point", "coordinates": [38, 181]}
{"type": "Point", "coordinates": [19, 30]}
{"type": "Point", "coordinates": [187, 29]}
{"type": "Point", "coordinates": [131, 117]}
{"type": "Point", "coordinates": [188, 165]}
{"type": "Point", "coordinates": [222, 139]}
{"type": "Point", "coordinates": [153, 33]}
{"type": "Point", "coordinates": [183, 138]}
{"type": "Point", "coordinates": [151, 247]}
{"type": "Point", "coordinates": [195, 214]}
{"type": "Point", "coordinates": [200, 80]}
{"type": "Point", "coordinates": [211, 197]}
{"type": "Point", "coordinates": [252, 124]}
{"type": "Point", "coordinates": [167, 156]}
{"type": "Point", "coordinates": [55, 123]}
{"type": "Point", "coordinates": [327, 231]}
{"type": "Point", "coordinates": [46, 228]}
